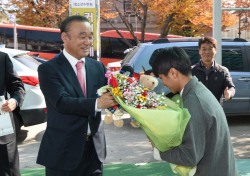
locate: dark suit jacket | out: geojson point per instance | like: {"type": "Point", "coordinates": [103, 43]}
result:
{"type": "Point", "coordinates": [69, 113]}
{"type": "Point", "coordinates": [12, 84]}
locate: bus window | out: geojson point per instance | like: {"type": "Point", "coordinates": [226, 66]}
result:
{"type": "Point", "coordinates": [45, 42]}
{"type": "Point", "coordinates": [106, 47]}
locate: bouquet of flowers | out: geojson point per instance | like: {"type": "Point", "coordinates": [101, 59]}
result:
{"type": "Point", "coordinates": [163, 120]}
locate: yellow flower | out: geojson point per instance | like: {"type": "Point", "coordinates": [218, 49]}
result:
{"type": "Point", "coordinates": [115, 91]}
{"type": "Point", "coordinates": [120, 94]}
{"type": "Point", "coordinates": [142, 98]}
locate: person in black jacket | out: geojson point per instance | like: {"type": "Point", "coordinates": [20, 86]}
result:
{"type": "Point", "coordinates": [214, 76]}
{"type": "Point", "coordinates": [9, 83]}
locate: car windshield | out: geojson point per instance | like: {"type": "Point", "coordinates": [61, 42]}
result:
{"type": "Point", "coordinates": [139, 58]}
{"type": "Point", "coordinates": [21, 69]}
{"type": "Point", "coordinates": [28, 61]}
{"type": "Point", "coordinates": [130, 55]}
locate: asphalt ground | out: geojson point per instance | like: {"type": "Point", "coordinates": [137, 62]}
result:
{"type": "Point", "coordinates": [128, 147]}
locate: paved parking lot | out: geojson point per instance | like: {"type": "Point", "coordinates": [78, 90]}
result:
{"type": "Point", "coordinates": [128, 144]}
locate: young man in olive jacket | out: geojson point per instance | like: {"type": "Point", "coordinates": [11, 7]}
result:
{"type": "Point", "coordinates": [206, 142]}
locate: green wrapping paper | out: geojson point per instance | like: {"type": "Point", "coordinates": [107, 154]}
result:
{"type": "Point", "coordinates": [164, 127]}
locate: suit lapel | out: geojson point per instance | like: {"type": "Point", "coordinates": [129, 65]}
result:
{"type": "Point", "coordinates": [69, 73]}
{"type": "Point", "coordinates": [89, 67]}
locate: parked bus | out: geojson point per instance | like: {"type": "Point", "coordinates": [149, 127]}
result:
{"type": "Point", "coordinates": [41, 41]}
{"type": "Point", "coordinates": [46, 42]}
{"type": "Point", "coordinates": [113, 46]}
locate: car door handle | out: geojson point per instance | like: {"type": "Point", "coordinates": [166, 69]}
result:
{"type": "Point", "coordinates": [244, 79]}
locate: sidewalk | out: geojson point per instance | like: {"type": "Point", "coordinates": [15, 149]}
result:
{"type": "Point", "coordinates": [142, 169]}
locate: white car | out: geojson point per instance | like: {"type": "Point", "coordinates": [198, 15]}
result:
{"type": "Point", "coordinates": [33, 110]}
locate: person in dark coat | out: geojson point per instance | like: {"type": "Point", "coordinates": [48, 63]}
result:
{"type": "Point", "coordinates": [10, 84]}
{"type": "Point", "coordinates": [214, 76]}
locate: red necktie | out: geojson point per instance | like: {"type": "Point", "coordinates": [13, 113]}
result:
{"type": "Point", "coordinates": [80, 76]}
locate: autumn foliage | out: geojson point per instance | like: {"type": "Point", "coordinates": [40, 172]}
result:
{"type": "Point", "coordinates": [46, 13]}
{"type": "Point", "coordinates": [182, 17]}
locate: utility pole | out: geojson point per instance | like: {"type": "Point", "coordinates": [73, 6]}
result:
{"type": "Point", "coordinates": [12, 19]}
{"type": "Point", "coordinates": [239, 25]}
{"type": "Point", "coordinates": [217, 18]}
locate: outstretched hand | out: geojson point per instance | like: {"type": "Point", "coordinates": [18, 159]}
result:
{"type": "Point", "coordinates": [227, 94]}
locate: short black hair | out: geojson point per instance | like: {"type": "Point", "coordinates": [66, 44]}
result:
{"type": "Point", "coordinates": [66, 22]}
{"type": "Point", "coordinates": [209, 40]}
{"type": "Point", "coordinates": [164, 59]}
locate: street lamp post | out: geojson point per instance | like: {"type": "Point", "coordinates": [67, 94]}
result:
{"type": "Point", "coordinates": [245, 23]}
{"type": "Point", "coordinates": [237, 9]}
{"type": "Point", "coordinates": [239, 25]}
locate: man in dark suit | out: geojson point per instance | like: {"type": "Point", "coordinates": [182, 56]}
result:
{"type": "Point", "coordinates": [9, 83]}
{"type": "Point", "coordinates": [73, 143]}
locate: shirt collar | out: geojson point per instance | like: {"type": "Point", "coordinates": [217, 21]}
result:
{"type": "Point", "coordinates": [72, 60]}
{"type": "Point", "coordinates": [202, 65]}
{"type": "Point", "coordinates": [181, 91]}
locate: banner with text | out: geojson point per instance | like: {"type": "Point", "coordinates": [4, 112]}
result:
{"type": "Point", "coordinates": [90, 9]}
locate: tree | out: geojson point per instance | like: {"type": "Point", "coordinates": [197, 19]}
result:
{"type": "Point", "coordinates": [187, 17]}
{"type": "Point", "coordinates": [243, 15]}
{"type": "Point", "coordinates": [204, 17]}
{"type": "Point", "coordinates": [182, 17]}
{"type": "Point", "coordinates": [45, 13]}
{"type": "Point", "coordinates": [172, 15]}
{"type": "Point", "coordinates": [110, 9]}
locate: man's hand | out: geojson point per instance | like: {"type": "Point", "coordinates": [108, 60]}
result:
{"type": "Point", "coordinates": [9, 105]}
{"type": "Point", "coordinates": [106, 101]}
{"type": "Point", "coordinates": [229, 93]}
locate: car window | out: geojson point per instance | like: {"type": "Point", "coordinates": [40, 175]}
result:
{"type": "Point", "coordinates": [232, 59]}
{"type": "Point", "coordinates": [193, 54]}
{"type": "Point", "coordinates": [141, 58]}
